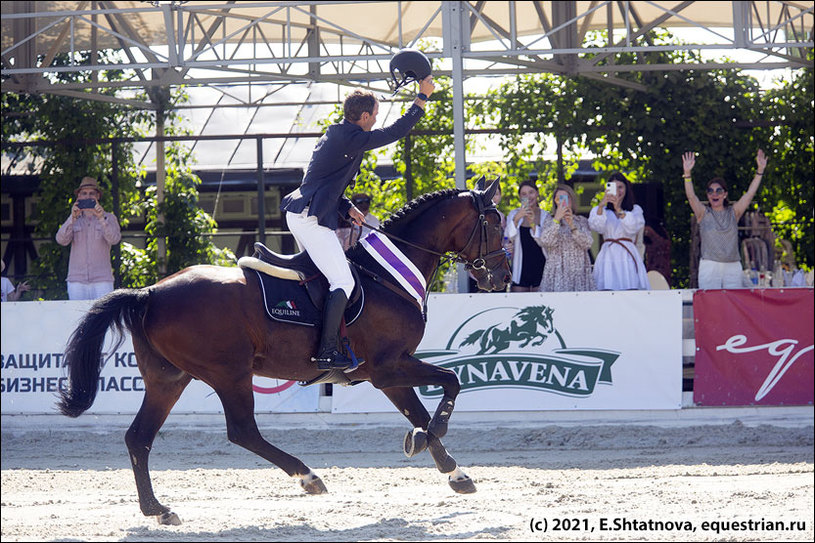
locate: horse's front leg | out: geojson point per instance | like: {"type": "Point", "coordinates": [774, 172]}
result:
{"type": "Point", "coordinates": [418, 439]}
{"type": "Point", "coordinates": [409, 371]}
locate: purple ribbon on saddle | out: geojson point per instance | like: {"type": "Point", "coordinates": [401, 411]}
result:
{"type": "Point", "coordinates": [397, 264]}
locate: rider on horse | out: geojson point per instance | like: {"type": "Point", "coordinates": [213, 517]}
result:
{"type": "Point", "coordinates": [314, 208]}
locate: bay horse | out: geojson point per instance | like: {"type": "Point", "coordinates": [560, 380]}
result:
{"type": "Point", "coordinates": [208, 323]}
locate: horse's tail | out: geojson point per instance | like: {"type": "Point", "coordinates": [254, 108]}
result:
{"type": "Point", "coordinates": [123, 308]}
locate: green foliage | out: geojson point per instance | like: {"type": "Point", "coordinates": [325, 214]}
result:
{"type": "Point", "coordinates": [789, 182]}
{"type": "Point", "coordinates": [78, 125]}
{"type": "Point", "coordinates": [644, 134]}
{"type": "Point", "coordinates": [185, 226]}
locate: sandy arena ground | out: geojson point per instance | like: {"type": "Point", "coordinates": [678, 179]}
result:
{"type": "Point", "coordinates": [535, 482]}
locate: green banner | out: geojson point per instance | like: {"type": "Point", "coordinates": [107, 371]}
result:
{"type": "Point", "coordinates": [571, 372]}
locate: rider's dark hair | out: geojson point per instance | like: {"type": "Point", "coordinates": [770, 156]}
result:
{"type": "Point", "coordinates": [357, 103]}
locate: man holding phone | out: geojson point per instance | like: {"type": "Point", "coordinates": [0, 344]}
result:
{"type": "Point", "coordinates": [91, 231]}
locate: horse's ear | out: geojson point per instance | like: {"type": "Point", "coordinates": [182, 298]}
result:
{"type": "Point", "coordinates": [488, 194]}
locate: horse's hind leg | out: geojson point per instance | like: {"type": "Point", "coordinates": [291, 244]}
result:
{"type": "Point", "coordinates": [416, 440]}
{"type": "Point", "coordinates": [239, 404]}
{"type": "Point", "coordinates": [163, 385]}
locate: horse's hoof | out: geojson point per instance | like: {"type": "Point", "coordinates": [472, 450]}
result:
{"type": "Point", "coordinates": [415, 442]}
{"type": "Point", "coordinates": [168, 519]}
{"type": "Point", "coordinates": [462, 486]}
{"type": "Point", "coordinates": [313, 485]}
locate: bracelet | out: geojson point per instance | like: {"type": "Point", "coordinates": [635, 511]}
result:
{"type": "Point", "coordinates": [422, 96]}
{"type": "Point", "coordinates": [759, 173]}
{"type": "Point", "coordinates": [556, 221]}
{"type": "Point", "coordinates": [686, 177]}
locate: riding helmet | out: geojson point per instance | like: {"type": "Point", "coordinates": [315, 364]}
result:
{"type": "Point", "coordinates": [411, 64]}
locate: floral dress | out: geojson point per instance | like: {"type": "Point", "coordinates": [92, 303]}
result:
{"type": "Point", "coordinates": [568, 267]}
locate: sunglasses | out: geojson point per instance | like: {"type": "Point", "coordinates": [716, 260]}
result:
{"type": "Point", "coordinates": [718, 190]}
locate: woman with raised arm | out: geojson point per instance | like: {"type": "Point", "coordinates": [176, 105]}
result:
{"type": "Point", "coordinates": [720, 264]}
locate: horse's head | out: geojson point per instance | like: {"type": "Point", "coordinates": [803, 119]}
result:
{"type": "Point", "coordinates": [483, 252]}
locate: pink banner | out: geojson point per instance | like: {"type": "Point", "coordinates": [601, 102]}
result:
{"type": "Point", "coordinates": [753, 347]}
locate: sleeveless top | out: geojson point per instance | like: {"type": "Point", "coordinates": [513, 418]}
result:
{"type": "Point", "coordinates": [720, 236]}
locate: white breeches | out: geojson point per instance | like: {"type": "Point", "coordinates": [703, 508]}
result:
{"type": "Point", "coordinates": [324, 248]}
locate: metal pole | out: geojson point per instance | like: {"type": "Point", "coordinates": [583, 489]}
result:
{"type": "Point", "coordinates": [456, 46]}
{"type": "Point", "coordinates": [408, 169]}
{"type": "Point", "coordinates": [261, 194]}
{"type": "Point", "coordinates": [160, 175]}
{"type": "Point", "coordinates": [114, 183]}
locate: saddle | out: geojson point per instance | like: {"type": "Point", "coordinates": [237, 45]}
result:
{"type": "Point", "coordinates": [294, 290]}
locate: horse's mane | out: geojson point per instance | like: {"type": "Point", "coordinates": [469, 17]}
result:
{"type": "Point", "coordinates": [416, 207]}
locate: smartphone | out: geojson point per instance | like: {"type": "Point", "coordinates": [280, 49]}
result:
{"type": "Point", "coordinates": [611, 188]}
{"type": "Point", "coordinates": [524, 202]}
{"type": "Point", "coordinates": [86, 203]}
{"type": "Point", "coordinates": [564, 200]}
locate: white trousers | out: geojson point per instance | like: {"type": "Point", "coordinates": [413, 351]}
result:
{"type": "Point", "coordinates": [324, 248]}
{"type": "Point", "coordinates": [714, 274]}
{"type": "Point", "coordinates": [88, 291]}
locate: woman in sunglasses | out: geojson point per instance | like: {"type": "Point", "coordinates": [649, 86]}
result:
{"type": "Point", "coordinates": [720, 264]}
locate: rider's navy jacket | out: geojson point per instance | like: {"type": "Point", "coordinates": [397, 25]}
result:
{"type": "Point", "coordinates": [335, 162]}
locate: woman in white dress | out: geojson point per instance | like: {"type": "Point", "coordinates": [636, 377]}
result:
{"type": "Point", "coordinates": [618, 219]}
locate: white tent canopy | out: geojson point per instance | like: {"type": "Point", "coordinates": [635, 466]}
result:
{"type": "Point", "coordinates": [195, 43]}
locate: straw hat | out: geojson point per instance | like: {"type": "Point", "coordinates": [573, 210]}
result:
{"type": "Point", "coordinates": [89, 183]}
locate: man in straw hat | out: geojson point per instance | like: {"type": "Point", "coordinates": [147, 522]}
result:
{"type": "Point", "coordinates": [91, 231]}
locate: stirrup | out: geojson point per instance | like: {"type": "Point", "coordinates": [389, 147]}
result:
{"type": "Point", "coordinates": [335, 361]}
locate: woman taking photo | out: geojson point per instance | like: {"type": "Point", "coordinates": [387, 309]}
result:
{"type": "Point", "coordinates": [720, 263]}
{"type": "Point", "coordinates": [566, 238]}
{"type": "Point", "coordinates": [523, 228]}
{"type": "Point", "coordinates": [618, 219]}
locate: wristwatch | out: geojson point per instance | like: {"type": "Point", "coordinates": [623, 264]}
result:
{"type": "Point", "coordinates": [422, 96]}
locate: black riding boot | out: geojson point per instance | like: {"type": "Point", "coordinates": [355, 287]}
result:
{"type": "Point", "coordinates": [330, 356]}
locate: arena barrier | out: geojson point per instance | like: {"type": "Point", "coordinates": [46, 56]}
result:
{"type": "Point", "coordinates": [512, 352]}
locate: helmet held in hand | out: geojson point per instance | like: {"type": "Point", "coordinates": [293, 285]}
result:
{"type": "Point", "coordinates": [412, 65]}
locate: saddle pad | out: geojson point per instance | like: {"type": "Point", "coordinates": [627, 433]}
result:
{"type": "Point", "coordinates": [288, 301]}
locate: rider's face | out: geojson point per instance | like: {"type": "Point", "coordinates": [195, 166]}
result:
{"type": "Point", "coordinates": [368, 120]}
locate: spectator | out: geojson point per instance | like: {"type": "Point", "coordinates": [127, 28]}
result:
{"type": "Point", "coordinates": [618, 219]}
{"type": "Point", "coordinates": [523, 229]}
{"type": "Point", "coordinates": [345, 229]}
{"type": "Point", "coordinates": [720, 264]}
{"type": "Point", "coordinates": [315, 207]}
{"type": "Point", "coordinates": [90, 231]}
{"type": "Point", "coordinates": [363, 203]}
{"type": "Point", "coordinates": [566, 238]}
{"type": "Point", "coordinates": [349, 233]}
{"type": "Point", "coordinates": [9, 293]}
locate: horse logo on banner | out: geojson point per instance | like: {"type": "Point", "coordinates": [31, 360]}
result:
{"type": "Point", "coordinates": [510, 347]}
